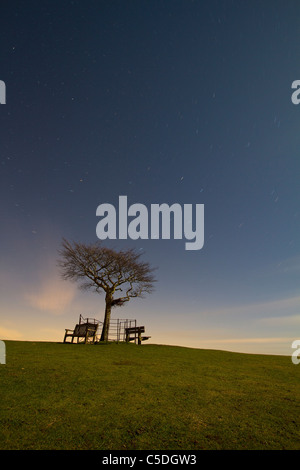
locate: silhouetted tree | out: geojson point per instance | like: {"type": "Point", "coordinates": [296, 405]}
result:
{"type": "Point", "coordinates": [121, 275]}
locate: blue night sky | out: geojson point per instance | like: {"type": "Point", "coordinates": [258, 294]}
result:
{"type": "Point", "coordinates": [184, 102]}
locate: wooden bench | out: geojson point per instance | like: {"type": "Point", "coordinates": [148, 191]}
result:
{"type": "Point", "coordinates": [83, 330]}
{"type": "Point", "coordinates": [135, 333]}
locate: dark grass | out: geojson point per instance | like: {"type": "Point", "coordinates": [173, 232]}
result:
{"type": "Point", "coordinates": [149, 397]}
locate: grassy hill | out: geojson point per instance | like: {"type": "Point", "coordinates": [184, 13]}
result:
{"type": "Point", "coordinates": [149, 397]}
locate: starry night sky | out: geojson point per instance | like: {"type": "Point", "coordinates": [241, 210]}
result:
{"type": "Point", "coordinates": [176, 101]}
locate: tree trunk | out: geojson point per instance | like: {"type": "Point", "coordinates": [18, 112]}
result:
{"type": "Point", "coordinates": [105, 329]}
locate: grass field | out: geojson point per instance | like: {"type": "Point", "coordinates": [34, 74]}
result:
{"type": "Point", "coordinates": [149, 397]}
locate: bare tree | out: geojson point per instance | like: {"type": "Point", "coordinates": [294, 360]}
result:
{"type": "Point", "coordinates": [121, 275]}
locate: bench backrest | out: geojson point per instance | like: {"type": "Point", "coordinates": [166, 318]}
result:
{"type": "Point", "coordinates": [85, 329]}
{"type": "Point", "coordinates": [135, 329]}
